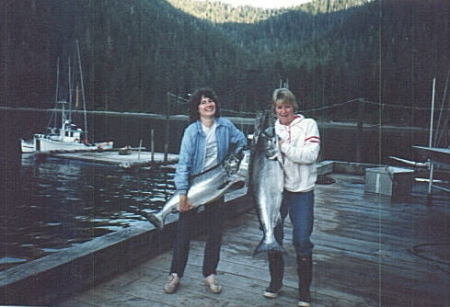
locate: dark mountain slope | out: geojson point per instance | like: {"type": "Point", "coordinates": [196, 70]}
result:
{"type": "Point", "coordinates": [136, 51]}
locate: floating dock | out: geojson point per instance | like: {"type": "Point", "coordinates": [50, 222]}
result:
{"type": "Point", "coordinates": [369, 251]}
{"type": "Point", "coordinates": [132, 159]}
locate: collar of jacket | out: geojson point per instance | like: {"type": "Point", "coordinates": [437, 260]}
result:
{"type": "Point", "coordinates": [198, 124]}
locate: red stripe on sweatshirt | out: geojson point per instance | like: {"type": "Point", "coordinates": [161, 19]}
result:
{"type": "Point", "coordinates": [313, 139]}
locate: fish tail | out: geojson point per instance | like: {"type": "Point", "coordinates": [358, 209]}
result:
{"type": "Point", "coordinates": [273, 247]}
{"type": "Point", "coordinates": [156, 219]}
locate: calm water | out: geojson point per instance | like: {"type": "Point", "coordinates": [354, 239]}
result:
{"type": "Point", "coordinates": [60, 203]}
{"type": "Point", "coordinates": [56, 204]}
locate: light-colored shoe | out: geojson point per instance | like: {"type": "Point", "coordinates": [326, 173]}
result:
{"type": "Point", "coordinates": [172, 283]}
{"type": "Point", "coordinates": [213, 284]}
{"type": "Point", "coordinates": [304, 304]}
{"type": "Point", "coordinates": [272, 292]}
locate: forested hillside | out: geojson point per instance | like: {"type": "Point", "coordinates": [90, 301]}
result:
{"type": "Point", "coordinates": [134, 52]}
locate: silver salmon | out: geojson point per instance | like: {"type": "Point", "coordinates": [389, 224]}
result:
{"type": "Point", "coordinates": [267, 181]}
{"type": "Point", "coordinates": [204, 188]}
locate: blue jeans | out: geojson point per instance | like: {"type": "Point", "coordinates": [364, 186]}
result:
{"type": "Point", "coordinates": [214, 220]}
{"type": "Point", "coordinates": [300, 207]}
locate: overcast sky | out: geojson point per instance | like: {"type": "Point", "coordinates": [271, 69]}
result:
{"type": "Point", "coordinates": [266, 3]}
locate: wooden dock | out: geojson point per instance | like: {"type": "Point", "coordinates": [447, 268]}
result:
{"type": "Point", "coordinates": [135, 158]}
{"type": "Point", "coordinates": [368, 252]}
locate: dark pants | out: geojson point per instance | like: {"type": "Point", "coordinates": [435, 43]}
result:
{"type": "Point", "coordinates": [214, 220]}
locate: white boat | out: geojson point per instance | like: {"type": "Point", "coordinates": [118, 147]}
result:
{"type": "Point", "coordinates": [67, 136]}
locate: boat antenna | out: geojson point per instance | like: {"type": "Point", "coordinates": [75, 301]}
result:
{"type": "Point", "coordinates": [82, 92]}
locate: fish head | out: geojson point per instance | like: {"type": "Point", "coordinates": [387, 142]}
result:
{"type": "Point", "coordinates": [270, 138]}
{"type": "Point", "coordinates": [231, 164]}
{"type": "Point", "coordinates": [263, 120]}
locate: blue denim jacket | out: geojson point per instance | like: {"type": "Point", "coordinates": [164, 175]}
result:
{"type": "Point", "coordinates": [192, 150]}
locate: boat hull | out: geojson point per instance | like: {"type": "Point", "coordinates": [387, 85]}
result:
{"type": "Point", "coordinates": [42, 144]}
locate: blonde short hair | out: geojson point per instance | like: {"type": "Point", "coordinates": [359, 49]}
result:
{"type": "Point", "coordinates": [285, 96]}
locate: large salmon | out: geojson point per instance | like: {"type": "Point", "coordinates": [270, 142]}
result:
{"type": "Point", "coordinates": [267, 181]}
{"type": "Point", "coordinates": [204, 188]}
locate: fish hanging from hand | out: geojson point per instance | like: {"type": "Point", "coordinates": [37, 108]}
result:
{"type": "Point", "coordinates": [267, 181]}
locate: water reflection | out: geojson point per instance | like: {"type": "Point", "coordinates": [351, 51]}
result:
{"type": "Point", "coordinates": [59, 203]}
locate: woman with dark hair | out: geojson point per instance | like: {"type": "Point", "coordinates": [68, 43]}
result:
{"type": "Point", "coordinates": [206, 142]}
{"type": "Point", "coordinates": [196, 98]}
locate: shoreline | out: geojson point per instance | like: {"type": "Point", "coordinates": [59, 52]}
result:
{"type": "Point", "coordinates": [235, 119]}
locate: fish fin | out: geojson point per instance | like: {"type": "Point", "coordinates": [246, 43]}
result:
{"type": "Point", "coordinates": [223, 185]}
{"type": "Point", "coordinates": [156, 220]}
{"type": "Point", "coordinates": [278, 220]}
{"type": "Point", "coordinates": [238, 184]}
{"type": "Point", "coordinates": [273, 247]}
{"type": "Point", "coordinates": [229, 183]}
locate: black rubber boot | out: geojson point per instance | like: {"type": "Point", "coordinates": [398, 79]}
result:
{"type": "Point", "coordinates": [276, 268]}
{"type": "Point", "coordinates": [305, 271]}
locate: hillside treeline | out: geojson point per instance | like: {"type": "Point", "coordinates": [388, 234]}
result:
{"type": "Point", "coordinates": [331, 53]}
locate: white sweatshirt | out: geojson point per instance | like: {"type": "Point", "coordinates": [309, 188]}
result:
{"type": "Point", "coordinates": [300, 151]}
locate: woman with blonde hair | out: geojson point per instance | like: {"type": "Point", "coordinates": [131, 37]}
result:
{"type": "Point", "coordinates": [299, 142]}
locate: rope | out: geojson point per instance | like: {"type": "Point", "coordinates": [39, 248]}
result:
{"type": "Point", "coordinates": [182, 101]}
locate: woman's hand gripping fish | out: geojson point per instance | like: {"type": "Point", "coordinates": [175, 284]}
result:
{"type": "Point", "coordinates": [205, 188]}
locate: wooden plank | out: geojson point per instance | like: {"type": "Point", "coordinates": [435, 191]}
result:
{"type": "Point", "coordinates": [135, 159]}
{"type": "Point", "coordinates": [362, 257]}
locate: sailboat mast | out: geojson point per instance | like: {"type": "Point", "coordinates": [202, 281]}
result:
{"type": "Point", "coordinates": [70, 94]}
{"type": "Point", "coordinates": [62, 131]}
{"type": "Point", "coordinates": [56, 92]}
{"type": "Point", "coordinates": [82, 92]}
{"type": "Point", "coordinates": [442, 124]}
{"type": "Point", "coordinates": [430, 141]}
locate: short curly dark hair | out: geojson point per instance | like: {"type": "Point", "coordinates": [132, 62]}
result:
{"type": "Point", "coordinates": [195, 100]}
